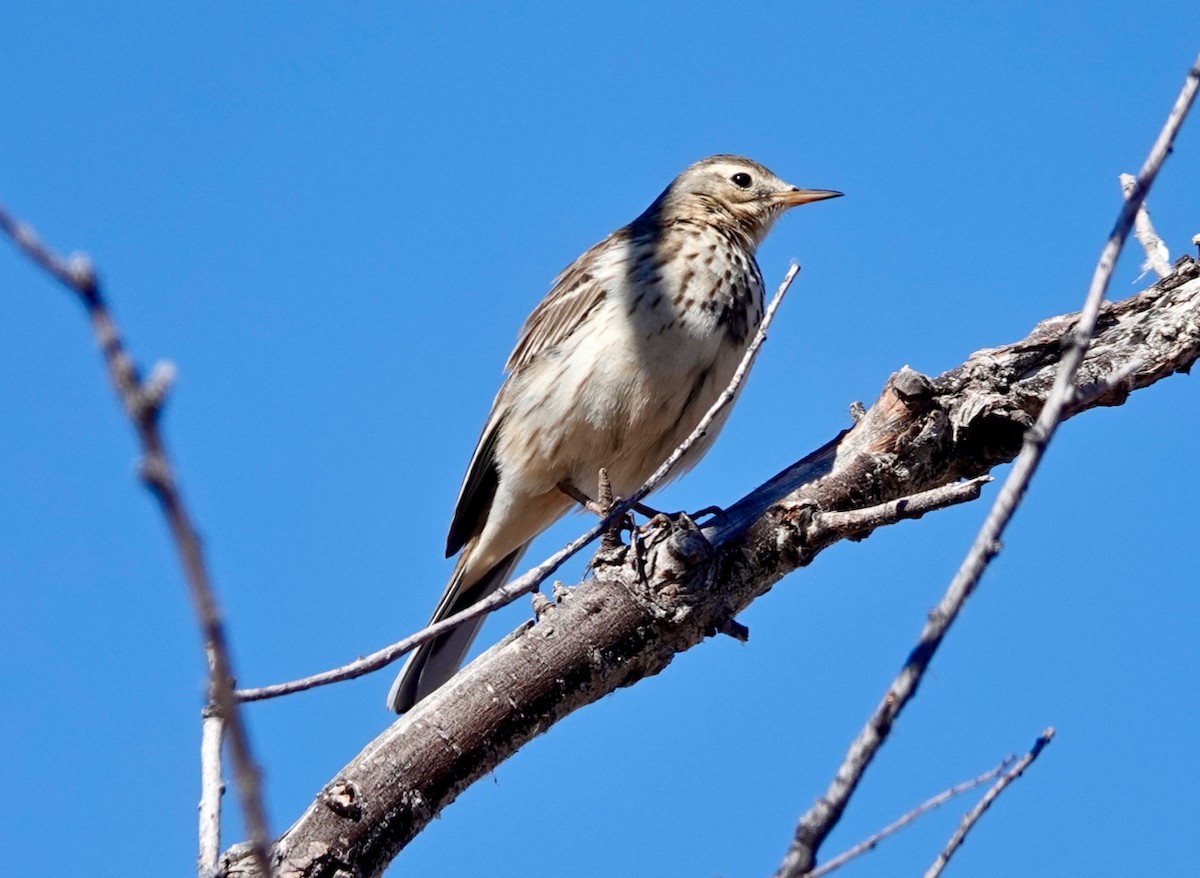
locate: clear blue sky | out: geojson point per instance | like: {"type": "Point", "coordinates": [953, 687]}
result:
{"type": "Point", "coordinates": [333, 219]}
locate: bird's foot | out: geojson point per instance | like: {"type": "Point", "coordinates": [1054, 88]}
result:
{"type": "Point", "coordinates": [647, 511]}
{"type": "Point", "coordinates": [714, 513]}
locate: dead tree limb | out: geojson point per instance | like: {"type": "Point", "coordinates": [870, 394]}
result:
{"type": "Point", "coordinates": [682, 583]}
{"type": "Point", "coordinates": [816, 823]}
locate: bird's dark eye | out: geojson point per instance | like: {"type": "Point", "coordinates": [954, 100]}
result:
{"type": "Point", "coordinates": [742, 181]}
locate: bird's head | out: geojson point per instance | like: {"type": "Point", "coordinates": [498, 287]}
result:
{"type": "Point", "coordinates": [732, 190]}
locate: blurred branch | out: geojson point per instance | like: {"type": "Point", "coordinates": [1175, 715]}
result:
{"type": "Point", "coordinates": [972, 816]}
{"type": "Point", "coordinates": [143, 402]}
{"type": "Point", "coordinates": [869, 844]}
{"type": "Point", "coordinates": [212, 732]}
{"type": "Point", "coordinates": [683, 583]}
{"type": "Point", "coordinates": [818, 822]}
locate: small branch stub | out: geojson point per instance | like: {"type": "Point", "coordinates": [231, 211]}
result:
{"type": "Point", "coordinates": [1158, 258]}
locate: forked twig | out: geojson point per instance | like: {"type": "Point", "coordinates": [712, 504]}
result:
{"type": "Point", "coordinates": [870, 843]}
{"type": "Point", "coordinates": [972, 817]}
{"type": "Point", "coordinates": [816, 824]}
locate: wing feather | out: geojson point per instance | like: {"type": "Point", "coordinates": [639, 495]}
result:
{"type": "Point", "coordinates": [575, 293]}
{"type": "Point", "coordinates": [578, 290]}
{"type": "Point", "coordinates": [478, 487]}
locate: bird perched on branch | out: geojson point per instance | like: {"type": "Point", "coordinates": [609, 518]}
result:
{"type": "Point", "coordinates": [614, 368]}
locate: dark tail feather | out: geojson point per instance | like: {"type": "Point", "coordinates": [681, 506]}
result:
{"type": "Point", "coordinates": [435, 662]}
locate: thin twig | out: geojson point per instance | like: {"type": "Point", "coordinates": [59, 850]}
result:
{"type": "Point", "coordinates": [856, 521]}
{"type": "Point", "coordinates": [826, 527]}
{"type": "Point", "coordinates": [1158, 257]}
{"type": "Point", "coordinates": [815, 826]}
{"type": "Point", "coordinates": [925, 807]}
{"type": "Point", "coordinates": [143, 402]}
{"type": "Point", "coordinates": [972, 816]}
{"type": "Point", "coordinates": [529, 581]}
{"type": "Point", "coordinates": [212, 730]}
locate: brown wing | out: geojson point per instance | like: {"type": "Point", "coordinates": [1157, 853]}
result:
{"type": "Point", "coordinates": [575, 293]}
{"type": "Point", "coordinates": [478, 488]}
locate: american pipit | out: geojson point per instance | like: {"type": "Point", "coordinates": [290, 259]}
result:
{"type": "Point", "coordinates": [614, 368]}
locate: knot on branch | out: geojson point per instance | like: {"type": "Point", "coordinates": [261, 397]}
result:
{"type": "Point", "coordinates": [342, 798]}
{"type": "Point", "coordinates": [676, 564]}
{"type": "Point", "coordinates": [82, 275]}
{"type": "Point", "coordinates": [793, 518]}
{"type": "Point", "coordinates": [911, 387]}
{"type": "Point", "coordinates": [907, 397]}
{"type": "Point", "coordinates": [151, 395]}
{"type": "Point", "coordinates": [989, 424]}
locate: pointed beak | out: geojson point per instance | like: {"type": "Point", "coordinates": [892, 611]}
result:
{"type": "Point", "coordinates": [795, 196]}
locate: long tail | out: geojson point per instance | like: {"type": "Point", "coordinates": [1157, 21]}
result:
{"type": "Point", "coordinates": [435, 662]}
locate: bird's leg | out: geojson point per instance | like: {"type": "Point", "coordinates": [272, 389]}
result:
{"type": "Point", "coordinates": [599, 507]}
{"type": "Point", "coordinates": [638, 551]}
{"type": "Point", "coordinates": [592, 506]}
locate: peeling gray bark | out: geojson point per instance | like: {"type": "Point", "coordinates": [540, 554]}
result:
{"type": "Point", "coordinates": [683, 583]}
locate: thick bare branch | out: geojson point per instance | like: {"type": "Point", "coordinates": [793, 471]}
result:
{"type": "Point", "coordinates": [683, 584]}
